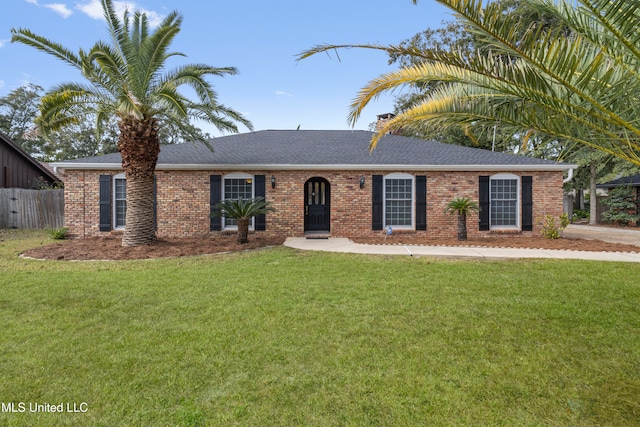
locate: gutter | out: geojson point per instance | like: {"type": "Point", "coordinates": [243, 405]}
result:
{"type": "Point", "coordinates": [569, 176]}
{"type": "Point", "coordinates": [366, 167]}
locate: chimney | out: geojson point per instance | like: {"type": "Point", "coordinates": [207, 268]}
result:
{"type": "Point", "coordinates": [383, 119]}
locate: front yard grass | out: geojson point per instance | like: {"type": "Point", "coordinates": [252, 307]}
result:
{"type": "Point", "coordinates": [283, 338]}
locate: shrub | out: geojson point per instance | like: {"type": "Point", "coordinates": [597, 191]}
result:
{"type": "Point", "coordinates": [58, 233]}
{"type": "Point", "coordinates": [623, 206]}
{"type": "Point", "coordinates": [581, 213]}
{"type": "Point", "coordinates": [552, 227]}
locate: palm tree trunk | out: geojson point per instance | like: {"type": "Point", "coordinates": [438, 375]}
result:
{"type": "Point", "coordinates": [139, 146]}
{"type": "Point", "coordinates": [140, 224]}
{"type": "Point", "coordinates": [462, 226]}
{"type": "Point", "coordinates": [243, 230]}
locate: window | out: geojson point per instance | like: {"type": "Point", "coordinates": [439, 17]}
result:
{"type": "Point", "coordinates": [398, 200]}
{"type": "Point", "coordinates": [237, 186]}
{"type": "Point", "coordinates": [504, 201]}
{"type": "Point", "coordinates": [119, 201]}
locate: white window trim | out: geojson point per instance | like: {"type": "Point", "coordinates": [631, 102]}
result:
{"type": "Point", "coordinates": [398, 175]}
{"type": "Point", "coordinates": [113, 197]}
{"type": "Point", "coordinates": [238, 175]}
{"type": "Point", "coordinates": [518, 201]}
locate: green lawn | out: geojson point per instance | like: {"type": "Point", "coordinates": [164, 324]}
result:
{"type": "Point", "coordinates": [279, 337]}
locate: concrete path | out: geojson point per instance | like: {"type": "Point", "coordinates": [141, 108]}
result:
{"type": "Point", "coordinates": [346, 245]}
{"type": "Point", "coordinates": [627, 236]}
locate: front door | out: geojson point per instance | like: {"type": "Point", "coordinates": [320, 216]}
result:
{"type": "Point", "coordinates": [316, 205]}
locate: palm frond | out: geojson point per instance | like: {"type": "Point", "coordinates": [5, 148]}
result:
{"type": "Point", "coordinates": [242, 208]}
{"type": "Point", "coordinates": [25, 36]}
{"type": "Point", "coordinates": [583, 88]}
{"type": "Point", "coordinates": [117, 29]}
{"type": "Point", "coordinates": [127, 77]}
{"type": "Point", "coordinates": [222, 117]}
{"type": "Point", "coordinates": [60, 106]}
{"type": "Point", "coordinates": [455, 106]}
{"type": "Point", "coordinates": [193, 76]}
{"type": "Point", "coordinates": [152, 50]}
{"type": "Point", "coordinates": [462, 206]}
{"type": "Point", "coordinates": [104, 66]}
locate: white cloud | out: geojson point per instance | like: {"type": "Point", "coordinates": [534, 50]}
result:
{"type": "Point", "coordinates": [93, 9]}
{"type": "Point", "coordinates": [283, 93]}
{"type": "Point", "coordinates": [3, 42]}
{"type": "Point", "coordinates": [60, 9]}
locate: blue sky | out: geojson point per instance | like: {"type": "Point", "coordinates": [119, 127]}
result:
{"type": "Point", "coordinates": [260, 38]}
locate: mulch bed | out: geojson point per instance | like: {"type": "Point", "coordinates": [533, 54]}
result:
{"type": "Point", "coordinates": [110, 248]}
{"type": "Point", "coordinates": [510, 242]}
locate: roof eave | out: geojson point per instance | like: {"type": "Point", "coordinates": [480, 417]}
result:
{"type": "Point", "coordinates": [26, 156]}
{"type": "Point", "coordinates": [283, 167]}
{"type": "Point", "coordinates": [627, 184]}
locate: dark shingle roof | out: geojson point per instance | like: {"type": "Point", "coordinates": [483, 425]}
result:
{"type": "Point", "coordinates": [277, 149]}
{"type": "Point", "coordinates": [632, 181]}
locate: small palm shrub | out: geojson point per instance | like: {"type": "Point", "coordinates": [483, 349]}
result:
{"type": "Point", "coordinates": [242, 210]}
{"type": "Point", "coordinates": [463, 206]}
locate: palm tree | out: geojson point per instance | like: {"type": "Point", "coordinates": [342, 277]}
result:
{"type": "Point", "coordinates": [582, 88]}
{"type": "Point", "coordinates": [127, 80]}
{"type": "Point", "coordinates": [463, 206]}
{"type": "Point", "coordinates": [242, 210]}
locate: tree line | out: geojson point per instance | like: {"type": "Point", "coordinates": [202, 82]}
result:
{"type": "Point", "coordinates": [19, 111]}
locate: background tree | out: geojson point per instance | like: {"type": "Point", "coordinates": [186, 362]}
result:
{"type": "Point", "coordinates": [18, 111]}
{"type": "Point", "coordinates": [128, 81]}
{"type": "Point", "coordinates": [536, 81]}
{"type": "Point", "coordinates": [18, 118]}
{"type": "Point", "coordinates": [623, 206]}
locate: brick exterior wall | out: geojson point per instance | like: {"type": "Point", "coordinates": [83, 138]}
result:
{"type": "Point", "coordinates": [183, 202]}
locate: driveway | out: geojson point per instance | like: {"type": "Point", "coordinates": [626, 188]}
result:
{"type": "Point", "coordinates": [607, 234]}
{"type": "Point", "coordinates": [629, 236]}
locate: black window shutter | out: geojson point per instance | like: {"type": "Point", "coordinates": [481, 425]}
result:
{"type": "Point", "coordinates": [215, 192]}
{"type": "Point", "coordinates": [105, 202]}
{"type": "Point", "coordinates": [376, 205]}
{"type": "Point", "coordinates": [527, 203]}
{"type": "Point", "coordinates": [260, 222]}
{"type": "Point", "coordinates": [421, 202]}
{"type": "Point", "coordinates": [483, 194]}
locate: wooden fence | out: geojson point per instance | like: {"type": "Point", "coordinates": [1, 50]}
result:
{"type": "Point", "coordinates": [20, 208]}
